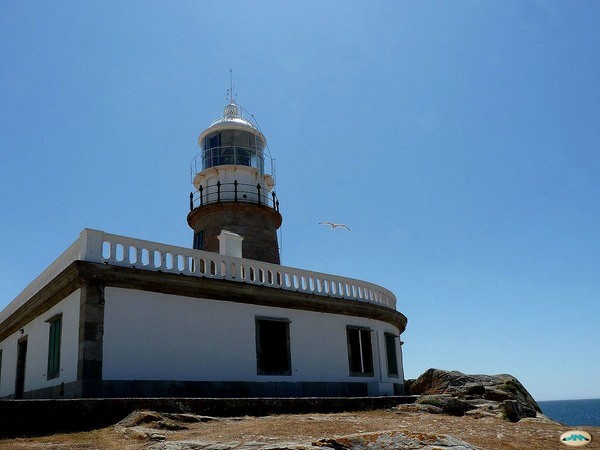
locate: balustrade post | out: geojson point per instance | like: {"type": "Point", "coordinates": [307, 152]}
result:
{"type": "Point", "coordinates": [274, 198]}
{"type": "Point", "coordinates": [258, 189]}
{"type": "Point", "coordinates": [191, 201]}
{"type": "Point", "coordinates": [90, 245]}
{"type": "Point", "coordinates": [218, 191]}
{"type": "Point", "coordinates": [277, 206]}
{"type": "Point", "coordinates": [200, 189]}
{"type": "Point", "coordinates": [235, 184]}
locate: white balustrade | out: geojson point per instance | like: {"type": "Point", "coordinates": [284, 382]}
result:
{"type": "Point", "coordinates": [100, 247]}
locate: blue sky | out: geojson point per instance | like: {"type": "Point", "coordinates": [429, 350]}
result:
{"type": "Point", "coordinates": [459, 141]}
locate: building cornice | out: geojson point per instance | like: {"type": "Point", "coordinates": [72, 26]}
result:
{"type": "Point", "coordinates": [62, 285]}
{"type": "Point", "coordinates": [80, 273]}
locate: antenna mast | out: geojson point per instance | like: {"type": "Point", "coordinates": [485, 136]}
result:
{"type": "Point", "coordinates": [230, 85]}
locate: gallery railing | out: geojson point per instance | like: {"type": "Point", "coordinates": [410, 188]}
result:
{"type": "Point", "coordinates": [233, 192]}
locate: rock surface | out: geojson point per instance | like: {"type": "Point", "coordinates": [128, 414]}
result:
{"type": "Point", "coordinates": [457, 393]}
{"type": "Point", "coordinates": [395, 440]}
{"type": "Point", "coordinates": [447, 403]}
{"type": "Point", "coordinates": [373, 441]}
{"type": "Point", "coordinates": [360, 430]}
{"type": "Point", "coordinates": [155, 426]}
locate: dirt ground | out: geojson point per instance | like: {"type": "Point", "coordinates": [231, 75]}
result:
{"type": "Point", "coordinates": [487, 433]}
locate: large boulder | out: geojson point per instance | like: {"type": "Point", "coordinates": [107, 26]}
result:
{"type": "Point", "coordinates": [154, 426]}
{"type": "Point", "coordinates": [472, 389]}
{"type": "Point", "coordinates": [514, 411]}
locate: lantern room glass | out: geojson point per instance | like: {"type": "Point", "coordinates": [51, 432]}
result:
{"type": "Point", "coordinates": [232, 147]}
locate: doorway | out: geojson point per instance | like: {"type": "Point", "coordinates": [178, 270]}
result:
{"type": "Point", "coordinates": [21, 358]}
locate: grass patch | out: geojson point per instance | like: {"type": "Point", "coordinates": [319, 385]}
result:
{"type": "Point", "coordinates": [433, 401]}
{"type": "Point", "coordinates": [509, 386]}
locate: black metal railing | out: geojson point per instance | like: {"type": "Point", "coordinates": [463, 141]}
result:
{"type": "Point", "coordinates": [233, 192]}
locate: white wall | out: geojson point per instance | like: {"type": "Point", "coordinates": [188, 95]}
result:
{"type": "Point", "coordinates": [152, 336]}
{"type": "Point", "coordinates": [37, 332]}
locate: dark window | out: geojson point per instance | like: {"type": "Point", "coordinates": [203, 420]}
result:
{"type": "Point", "coordinates": [54, 346]}
{"type": "Point", "coordinates": [242, 157]}
{"type": "Point", "coordinates": [273, 347]}
{"type": "Point", "coordinates": [390, 347]}
{"type": "Point", "coordinates": [0, 367]}
{"type": "Point", "coordinates": [21, 365]}
{"type": "Point", "coordinates": [199, 240]}
{"type": "Point", "coordinates": [232, 147]}
{"type": "Point", "coordinates": [360, 354]}
{"type": "Point", "coordinates": [212, 141]}
{"type": "Point", "coordinates": [210, 158]}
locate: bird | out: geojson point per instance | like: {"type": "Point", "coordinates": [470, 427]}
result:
{"type": "Point", "coordinates": [334, 225]}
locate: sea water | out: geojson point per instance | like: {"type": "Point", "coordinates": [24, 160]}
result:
{"type": "Point", "coordinates": [573, 412]}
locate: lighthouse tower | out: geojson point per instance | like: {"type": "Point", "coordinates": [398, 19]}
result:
{"type": "Point", "coordinates": [234, 203]}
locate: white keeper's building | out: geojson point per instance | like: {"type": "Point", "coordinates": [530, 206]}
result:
{"type": "Point", "coordinates": [116, 316]}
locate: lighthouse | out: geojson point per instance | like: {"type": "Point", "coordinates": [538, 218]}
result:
{"type": "Point", "coordinates": [234, 209]}
{"type": "Point", "coordinates": [114, 316]}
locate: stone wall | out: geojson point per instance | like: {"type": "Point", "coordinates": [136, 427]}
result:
{"type": "Point", "coordinates": [38, 417]}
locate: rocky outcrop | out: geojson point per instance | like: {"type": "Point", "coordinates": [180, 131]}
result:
{"type": "Point", "coordinates": [154, 426]}
{"type": "Point", "coordinates": [457, 393]}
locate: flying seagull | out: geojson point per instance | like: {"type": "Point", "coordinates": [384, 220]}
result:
{"type": "Point", "coordinates": [334, 225]}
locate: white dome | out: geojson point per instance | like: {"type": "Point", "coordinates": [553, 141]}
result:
{"type": "Point", "coordinates": [232, 120]}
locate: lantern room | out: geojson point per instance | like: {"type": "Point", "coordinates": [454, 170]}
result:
{"type": "Point", "coordinates": [231, 140]}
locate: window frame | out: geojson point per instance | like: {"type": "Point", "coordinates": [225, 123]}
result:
{"type": "Point", "coordinates": [54, 346]}
{"type": "Point", "coordinates": [390, 337]}
{"type": "Point", "coordinates": [198, 241]}
{"type": "Point", "coordinates": [367, 368]}
{"type": "Point", "coordinates": [260, 351]}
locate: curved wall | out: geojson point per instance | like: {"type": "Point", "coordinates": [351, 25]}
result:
{"type": "Point", "coordinates": [154, 336]}
{"type": "Point", "coordinates": [255, 223]}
